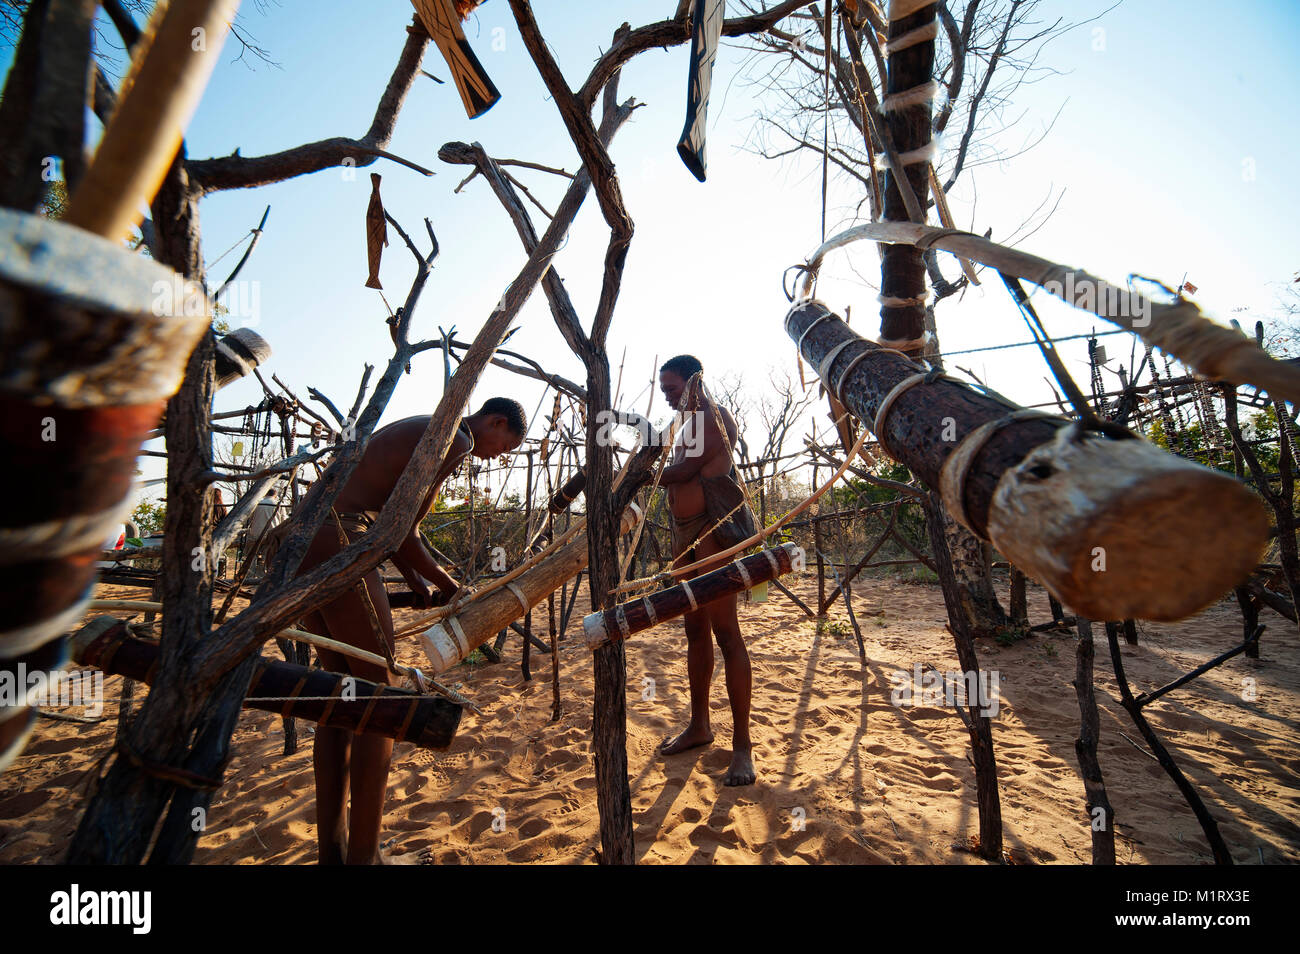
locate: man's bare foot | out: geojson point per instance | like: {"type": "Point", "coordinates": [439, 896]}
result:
{"type": "Point", "coordinates": [386, 857]}
{"type": "Point", "coordinates": [689, 738]}
{"type": "Point", "coordinates": [741, 771]}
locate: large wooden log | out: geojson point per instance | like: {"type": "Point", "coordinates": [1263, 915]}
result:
{"type": "Point", "coordinates": [633, 616]}
{"type": "Point", "coordinates": [1117, 529]}
{"type": "Point", "coordinates": [92, 342]}
{"type": "Point", "coordinates": [326, 698]}
{"type": "Point", "coordinates": [453, 638]}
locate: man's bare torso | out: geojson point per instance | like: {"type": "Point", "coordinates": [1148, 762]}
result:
{"type": "Point", "coordinates": [687, 498]}
{"type": "Point", "coordinates": [386, 456]}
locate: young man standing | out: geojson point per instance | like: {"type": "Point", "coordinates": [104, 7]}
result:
{"type": "Point", "coordinates": [357, 765]}
{"type": "Point", "coordinates": [710, 514]}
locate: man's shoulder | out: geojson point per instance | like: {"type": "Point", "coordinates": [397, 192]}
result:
{"type": "Point", "coordinates": [728, 420]}
{"type": "Point", "coordinates": [399, 428]}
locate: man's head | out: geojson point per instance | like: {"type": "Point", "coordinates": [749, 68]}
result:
{"type": "Point", "coordinates": [498, 427]}
{"type": "Point", "coordinates": [673, 375]}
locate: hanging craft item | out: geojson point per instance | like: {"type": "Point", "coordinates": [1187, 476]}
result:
{"type": "Point", "coordinates": [442, 19]}
{"type": "Point", "coordinates": [376, 232]}
{"type": "Point", "coordinates": [706, 31]}
{"type": "Point", "coordinates": [238, 353]}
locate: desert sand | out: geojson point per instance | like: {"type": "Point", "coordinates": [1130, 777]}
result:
{"type": "Point", "coordinates": [845, 777]}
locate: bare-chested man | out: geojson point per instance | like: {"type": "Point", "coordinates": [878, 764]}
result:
{"type": "Point", "coordinates": [703, 489]}
{"type": "Point", "coordinates": [357, 765]}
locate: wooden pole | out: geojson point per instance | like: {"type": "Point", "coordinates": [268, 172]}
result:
{"type": "Point", "coordinates": [977, 725]}
{"type": "Point", "coordinates": [821, 560]}
{"type": "Point", "coordinates": [621, 621]}
{"type": "Point", "coordinates": [1179, 329]}
{"type": "Point", "coordinates": [454, 637]}
{"type": "Point", "coordinates": [1101, 817]}
{"type": "Point", "coordinates": [1069, 507]}
{"type": "Point", "coordinates": [169, 70]}
{"type": "Point", "coordinates": [1018, 601]}
{"type": "Point", "coordinates": [72, 422]}
{"type": "Point", "coordinates": [291, 690]}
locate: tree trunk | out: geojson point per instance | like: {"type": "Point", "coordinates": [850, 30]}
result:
{"type": "Point", "coordinates": [609, 706]}
{"type": "Point", "coordinates": [902, 268]}
{"type": "Point", "coordinates": [1067, 506]}
{"type": "Point", "coordinates": [1017, 600]}
{"type": "Point", "coordinates": [972, 567]}
{"type": "Point", "coordinates": [119, 821]}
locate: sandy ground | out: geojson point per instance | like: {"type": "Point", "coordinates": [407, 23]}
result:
{"type": "Point", "coordinates": [844, 775]}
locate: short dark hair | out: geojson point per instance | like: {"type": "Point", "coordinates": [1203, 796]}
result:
{"type": "Point", "coordinates": [684, 366]}
{"type": "Point", "coordinates": [511, 410]}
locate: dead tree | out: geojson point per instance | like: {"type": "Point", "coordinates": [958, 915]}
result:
{"type": "Point", "coordinates": [180, 740]}
{"type": "Point", "coordinates": [839, 100]}
{"type": "Point", "coordinates": [575, 107]}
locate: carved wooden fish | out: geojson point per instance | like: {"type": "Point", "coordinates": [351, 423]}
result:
{"type": "Point", "coordinates": [442, 19]}
{"type": "Point", "coordinates": [376, 232]}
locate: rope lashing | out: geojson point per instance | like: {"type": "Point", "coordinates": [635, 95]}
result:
{"type": "Point", "coordinates": [170, 773]}
{"type": "Point", "coordinates": [952, 478]}
{"type": "Point", "coordinates": [848, 372]}
{"type": "Point", "coordinates": [891, 301]}
{"type": "Point", "coordinates": [898, 9]}
{"type": "Point", "coordinates": [927, 377]}
{"type": "Point", "coordinates": [798, 345]}
{"type": "Point", "coordinates": [912, 37]}
{"type": "Point", "coordinates": [823, 369]}
{"type": "Point", "coordinates": [519, 595]}
{"type": "Point", "coordinates": [686, 588]}
{"type": "Point", "coordinates": [910, 158]}
{"type": "Point", "coordinates": [925, 242]}
{"type": "Point", "coordinates": [462, 643]}
{"type": "Point", "coordinates": [915, 96]}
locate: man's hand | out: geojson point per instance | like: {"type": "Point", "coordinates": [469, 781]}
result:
{"type": "Point", "coordinates": [421, 598]}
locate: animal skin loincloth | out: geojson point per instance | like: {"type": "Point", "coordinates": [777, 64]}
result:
{"type": "Point", "coordinates": [355, 522]}
{"type": "Point", "coordinates": [724, 500]}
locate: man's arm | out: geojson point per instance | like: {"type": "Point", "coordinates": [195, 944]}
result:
{"type": "Point", "coordinates": [412, 557]}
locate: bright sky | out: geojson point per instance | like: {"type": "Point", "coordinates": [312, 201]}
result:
{"type": "Point", "coordinates": [1172, 145]}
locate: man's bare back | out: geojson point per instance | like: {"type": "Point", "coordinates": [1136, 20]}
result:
{"type": "Point", "coordinates": [355, 767]}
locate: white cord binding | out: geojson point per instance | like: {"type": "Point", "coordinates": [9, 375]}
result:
{"type": "Point", "coordinates": [519, 595]}
{"type": "Point", "coordinates": [686, 588]}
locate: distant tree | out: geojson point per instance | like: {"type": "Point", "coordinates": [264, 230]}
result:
{"type": "Point", "coordinates": [149, 516]}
